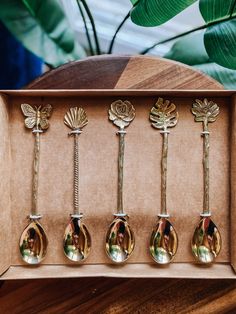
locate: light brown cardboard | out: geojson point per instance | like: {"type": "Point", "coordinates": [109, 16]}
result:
{"type": "Point", "coordinates": [98, 174]}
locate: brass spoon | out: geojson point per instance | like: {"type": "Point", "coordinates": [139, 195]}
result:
{"type": "Point", "coordinates": [120, 238]}
{"type": "Point", "coordinates": [164, 240]}
{"type": "Point", "coordinates": [33, 241]}
{"type": "Point", "coordinates": [206, 241]}
{"type": "Point", "coordinates": [77, 240]}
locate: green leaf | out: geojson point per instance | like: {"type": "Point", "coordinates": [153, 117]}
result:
{"type": "Point", "coordinates": [220, 39]}
{"type": "Point", "coordinates": [190, 50]}
{"type": "Point", "coordinates": [156, 12]}
{"type": "Point", "coordinates": [226, 77]}
{"type": "Point", "coordinates": [42, 28]}
{"type": "Point", "coordinates": [134, 1]}
{"type": "Point", "coordinates": [214, 10]}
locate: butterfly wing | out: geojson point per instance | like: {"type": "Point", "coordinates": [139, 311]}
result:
{"type": "Point", "coordinates": [30, 122]}
{"type": "Point", "coordinates": [44, 114]}
{"type": "Point", "coordinates": [28, 111]}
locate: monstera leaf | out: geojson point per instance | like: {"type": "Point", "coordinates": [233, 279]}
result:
{"type": "Point", "coordinates": [156, 12]}
{"type": "Point", "coordinates": [163, 114]}
{"type": "Point", "coordinates": [205, 110]}
{"type": "Point", "coordinates": [220, 38]}
{"type": "Point", "coordinates": [42, 28]}
{"type": "Point", "coordinates": [191, 50]}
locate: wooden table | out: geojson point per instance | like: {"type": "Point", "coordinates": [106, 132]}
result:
{"type": "Point", "coordinates": [114, 295]}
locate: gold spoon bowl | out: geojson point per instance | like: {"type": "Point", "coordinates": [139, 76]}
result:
{"type": "Point", "coordinates": [164, 242]}
{"type": "Point", "coordinates": [77, 241]}
{"type": "Point", "coordinates": [33, 243]}
{"type": "Point", "coordinates": [206, 241]}
{"type": "Point", "coordinates": [119, 240]}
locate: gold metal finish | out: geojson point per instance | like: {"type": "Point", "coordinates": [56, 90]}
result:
{"type": "Point", "coordinates": [77, 240]}
{"type": "Point", "coordinates": [163, 241]}
{"type": "Point", "coordinates": [120, 238]}
{"type": "Point", "coordinates": [33, 241]}
{"type": "Point", "coordinates": [206, 241]}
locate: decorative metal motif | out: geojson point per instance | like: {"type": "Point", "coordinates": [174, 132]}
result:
{"type": "Point", "coordinates": [121, 113]}
{"type": "Point", "coordinates": [164, 115]}
{"type": "Point", "coordinates": [76, 118]}
{"type": "Point", "coordinates": [77, 239]}
{"type": "Point", "coordinates": [33, 241]}
{"type": "Point", "coordinates": [120, 238]}
{"type": "Point", "coordinates": [164, 241]}
{"type": "Point", "coordinates": [206, 241]}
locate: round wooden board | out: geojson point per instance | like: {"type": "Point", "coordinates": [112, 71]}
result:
{"type": "Point", "coordinates": [112, 295]}
{"type": "Point", "coordinates": [124, 72]}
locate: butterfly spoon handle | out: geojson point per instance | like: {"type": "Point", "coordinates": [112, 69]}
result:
{"type": "Point", "coordinates": [34, 208]}
{"type": "Point", "coordinates": [37, 120]}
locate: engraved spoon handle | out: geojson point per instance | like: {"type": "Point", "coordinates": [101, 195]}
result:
{"type": "Point", "coordinates": [164, 173]}
{"type": "Point", "coordinates": [34, 209]}
{"type": "Point", "coordinates": [120, 208]}
{"type": "Point", "coordinates": [206, 146]}
{"type": "Point", "coordinates": [76, 174]}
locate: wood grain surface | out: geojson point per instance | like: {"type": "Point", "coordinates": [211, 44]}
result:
{"type": "Point", "coordinates": [112, 295]}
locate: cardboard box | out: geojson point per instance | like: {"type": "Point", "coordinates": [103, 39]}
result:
{"type": "Point", "coordinates": [98, 181]}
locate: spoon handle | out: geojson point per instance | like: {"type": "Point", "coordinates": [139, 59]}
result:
{"type": "Point", "coordinates": [75, 119]}
{"type": "Point", "coordinates": [121, 113]}
{"type": "Point", "coordinates": [34, 209]}
{"type": "Point", "coordinates": [121, 133]}
{"type": "Point", "coordinates": [205, 111]}
{"type": "Point", "coordinates": [164, 172]}
{"type": "Point", "coordinates": [206, 147]}
{"type": "Point", "coordinates": [163, 116]}
{"type": "Point", "coordinates": [76, 174]}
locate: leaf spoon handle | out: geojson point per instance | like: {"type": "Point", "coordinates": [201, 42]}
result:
{"type": "Point", "coordinates": [205, 111]}
{"type": "Point", "coordinates": [164, 241]}
{"type": "Point", "coordinates": [206, 241]}
{"type": "Point", "coordinates": [164, 115]}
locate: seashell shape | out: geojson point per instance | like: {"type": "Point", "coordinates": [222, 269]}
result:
{"type": "Point", "coordinates": [77, 241]}
{"type": "Point", "coordinates": [76, 118]}
{"type": "Point", "coordinates": [206, 241]}
{"type": "Point", "coordinates": [119, 241]}
{"type": "Point", "coordinates": [33, 243]}
{"type": "Point", "coordinates": [163, 242]}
